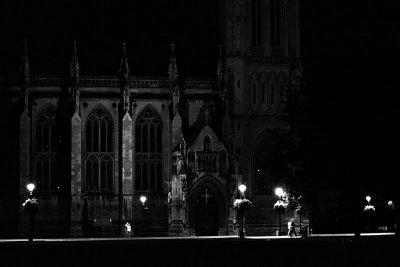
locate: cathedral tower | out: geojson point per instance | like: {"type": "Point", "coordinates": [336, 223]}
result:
{"type": "Point", "coordinates": [261, 39]}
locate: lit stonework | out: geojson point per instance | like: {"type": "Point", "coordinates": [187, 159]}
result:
{"type": "Point", "coordinates": [185, 143]}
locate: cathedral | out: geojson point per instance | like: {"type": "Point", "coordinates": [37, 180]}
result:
{"type": "Point", "coordinates": [94, 145]}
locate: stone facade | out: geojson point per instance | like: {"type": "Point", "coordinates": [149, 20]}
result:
{"type": "Point", "coordinates": [198, 138]}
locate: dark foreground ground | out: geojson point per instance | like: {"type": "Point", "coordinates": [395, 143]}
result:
{"type": "Point", "coordinates": [229, 251]}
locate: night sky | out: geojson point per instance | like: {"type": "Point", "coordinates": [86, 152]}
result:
{"type": "Point", "coordinates": [350, 51]}
{"type": "Point", "coordinates": [147, 26]}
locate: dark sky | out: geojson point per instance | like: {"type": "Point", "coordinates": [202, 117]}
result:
{"type": "Point", "coordinates": [148, 26]}
{"type": "Point", "coordinates": [350, 50]}
{"type": "Point", "coordinates": [352, 54]}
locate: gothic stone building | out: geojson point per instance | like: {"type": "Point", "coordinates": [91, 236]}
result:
{"type": "Point", "coordinates": [93, 145]}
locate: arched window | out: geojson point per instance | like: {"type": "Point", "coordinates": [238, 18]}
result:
{"type": "Point", "coordinates": [99, 167]}
{"type": "Point", "coordinates": [148, 165]}
{"type": "Point", "coordinates": [272, 96]}
{"type": "Point", "coordinates": [281, 92]}
{"type": "Point", "coordinates": [264, 86]}
{"type": "Point", "coordinates": [45, 163]}
{"type": "Point", "coordinates": [254, 94]}
{"type": "Point", "coordinates": [273, 87]}
{"type": "Point", "coordinates": [206, 143]}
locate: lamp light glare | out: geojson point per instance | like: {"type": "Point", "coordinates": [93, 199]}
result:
{"type": "Point", "coordinates": [279, 191]}
{"type": "Point", "coordinates": [143, 199]}
{"type": "Point", "coordinates": [242, 188]}
{"type": "Point", "coordinates": [30, 187]}
{"type": "Point", "coordinates": [368, 198]}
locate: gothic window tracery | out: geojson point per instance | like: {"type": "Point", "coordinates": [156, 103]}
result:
{"type": "Point", "coordinates": [99, 163]}
{"type": "Point", "coordinates": [206, 143]}
{"type": "Point", "coordinates": [254, 94]}
{"type": "Point", "coordinates": [272, 92]}
{"type": "Point", "coordinates": [148, 164]}
{"type": "Point", "coordinates": [264, 86]}
{"type": "Point", "coordinates": [45, 160]}
{"type": "Point", "coordinates": [281, 92]}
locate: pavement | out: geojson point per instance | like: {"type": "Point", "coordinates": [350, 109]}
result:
{"type": "Point", "coordinates": [370, 249]}
{"type": "Point", "coordinates": [99, 239]}
{"type": "Point", "coordinates": [344, 235]}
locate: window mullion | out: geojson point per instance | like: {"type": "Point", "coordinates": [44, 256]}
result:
{"type": "Point", "coordinates": [149, 174]}
{"type": "Point", "coordinates": [155, 175]}
{"type": "Point", "coordinates": [155, 138]}
{"type": "Point", "coordinates": [148, 137]}
{"type": "Point", "coordinates": [141, 138]}
{"type": "Point", "coordinates": [141, 176]}
{"type": "Point", "coordinates": [98, 135]}
{"type": "Point", "coordinates": [106, 134]}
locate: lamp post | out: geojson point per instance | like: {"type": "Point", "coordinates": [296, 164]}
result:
{"type": "Point", "coordinates": [391, 221]}
{"type": "Point", "coordinates": [143, 200]}
{"type": "Point", "coordinates": [31, 213]}
{"type": "Point", "coordinates": [30, 188]}
{"type": "Point", "coordinates": [368, 199]}
{"type": "Point", "coordinates": [242, 189]}
{"type": "Point", "coordinates": [279, 193]}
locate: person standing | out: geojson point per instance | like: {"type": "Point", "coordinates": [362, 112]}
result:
{"type": "Point", "coordinates": [128, 229]}
{"type": "Point", "coordinates": [292, 229]}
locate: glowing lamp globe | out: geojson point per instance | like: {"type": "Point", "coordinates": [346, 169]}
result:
{"type": "Point", "coordinates": [279, 191]}
{"type": "Point", "coordinates": [30, 187]}
{"type": "Point", "coordinates": [242, 188]}
{"type": "Point", "coordinates": [143, 199]}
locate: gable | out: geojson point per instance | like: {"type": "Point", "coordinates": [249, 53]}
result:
{"type": "Point", "coordinates": [215, 143]}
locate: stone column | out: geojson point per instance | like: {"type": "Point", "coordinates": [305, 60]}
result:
{"type": "Point", "coordinates": [234, 222]}
{"type": "Point", "coordinates": [24, 166]}
{"type": "Point", "coordinates": [127, 170]}
{"type": "Point", "coordinates": [24, 151]}
{"type": "Point", "coordinates": [177, 198]}
{"type": "Point", "coordinates": [176, 129]}
{"type": "Point", "coordinates": [76, 175]}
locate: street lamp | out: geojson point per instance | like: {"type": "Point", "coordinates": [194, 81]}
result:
{"type": "Point", "coordinates": [31, 214]}
{"type": "Point", "coordinates": [368, 198]}
{"type": "Point", "coordinates": [30, 188]}
{"type": "Point", "coordinates": [143, 200]}
{"type": "Point", "coordinates": [391, 223]}
{"type": "Point", "coordinates": [242, 189]}
{"type": "Point", "coordinates": [369, 210]}
{"type": "Point", "coordinates": [279, 193]}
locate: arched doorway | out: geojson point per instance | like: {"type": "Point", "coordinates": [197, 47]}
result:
{"type": "Point", "coordinates": [268, 164]}
{"type": "Point", "coordinates": [206, 213]}
{"type": "Point", "coordinates": [207, 207]}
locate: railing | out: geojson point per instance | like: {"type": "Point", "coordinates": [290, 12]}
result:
{"type": "Point", "coordinates": [111, 81]}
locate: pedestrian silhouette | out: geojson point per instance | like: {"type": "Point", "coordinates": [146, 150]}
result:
{"type": "Point", "coordinates": [128, 229]}
{"type": "Point", "coordinates": [292, 229]}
